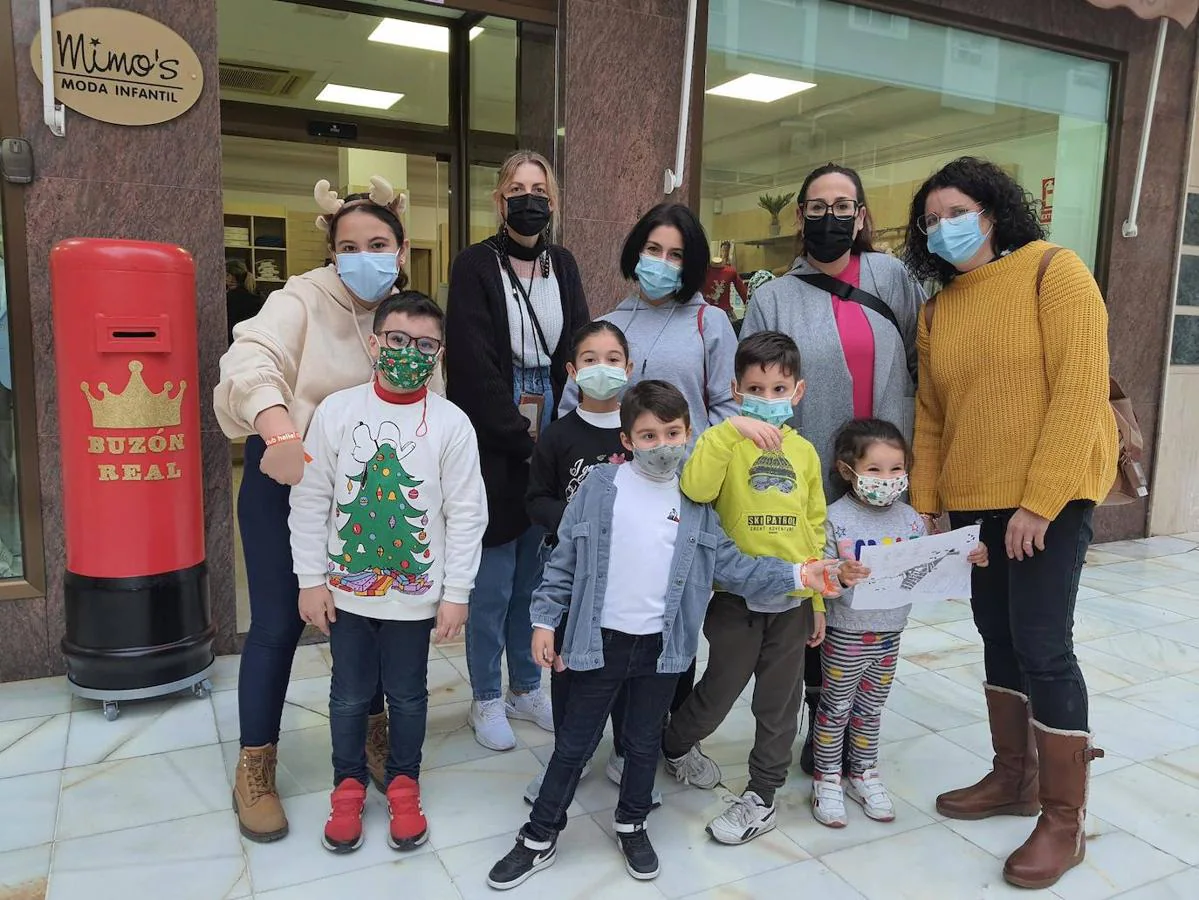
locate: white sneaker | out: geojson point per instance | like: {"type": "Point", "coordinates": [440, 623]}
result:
{"type": "Point", "coordinates": [828, 801]}
{"type": "Point", "coordinates": [695, 769]}
{"type": "Point", "coordinates": [534, 787]}
{"type": "Point", "coordinates": [531, 707]}
{"type": "Point", "coordinates": [867, 789]}
{"type": "Point", "coordinates": [491, 725]}
{"type": "Point", "coordinates": [746, 818]}
{"type": "Point", "coordinates": [615, 772]}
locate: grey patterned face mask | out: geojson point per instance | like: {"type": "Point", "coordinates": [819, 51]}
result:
{"type": "Point", "coordinates": [661, 462]}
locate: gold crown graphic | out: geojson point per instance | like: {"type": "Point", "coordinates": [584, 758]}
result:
{"type": "Point", "coordinates": [136, 407]}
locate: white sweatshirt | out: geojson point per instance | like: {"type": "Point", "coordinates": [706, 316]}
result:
{"type": "Point", "coordinates": [308, 341]}
{"type": "Point", "coordinates": [392, 508]}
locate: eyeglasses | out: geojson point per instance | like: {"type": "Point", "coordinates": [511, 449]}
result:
{"type": "Point", "coordinates": [931, 222]}
{"type": "Point", "coordinates": [398, 340]}
{"type": "Point", "coordinates": [841, 209]}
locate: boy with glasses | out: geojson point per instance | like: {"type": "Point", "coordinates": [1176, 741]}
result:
{"type": "Point", "coordinates": [386, 534]}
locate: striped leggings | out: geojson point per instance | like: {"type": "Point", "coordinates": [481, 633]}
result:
{"type": "Point", "coordinates": [858, 669]}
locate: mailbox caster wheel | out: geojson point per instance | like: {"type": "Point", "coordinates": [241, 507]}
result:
{"type": "Point", "coordinates": [202, 688]}
{"type": "Point", "coordinates": [111, 710]}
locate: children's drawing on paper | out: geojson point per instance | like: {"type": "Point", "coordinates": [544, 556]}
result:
{"type": "Point", "coordinates": [931, 568]}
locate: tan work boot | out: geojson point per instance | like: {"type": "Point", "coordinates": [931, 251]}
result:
{"type": "Point", "coordinates": [378, 747]}
{"type": "Point", "coordinates": [1059, 842]}
{"type": "Point", "coordinates": [260, 814]}
{"type": "Point", "coordinates": [1010, 788]}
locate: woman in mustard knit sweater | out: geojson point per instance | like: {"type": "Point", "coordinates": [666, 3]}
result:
{"type": "Point", "coordinates": [1014, 432]}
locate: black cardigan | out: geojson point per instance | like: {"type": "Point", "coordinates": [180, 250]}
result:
{"type": "Point", "coordinates": [478, 362]}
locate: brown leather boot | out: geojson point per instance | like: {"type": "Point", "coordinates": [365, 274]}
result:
{"type": "Point", "coordinates": [378, 746]}
{"type": "Point", "coordinates": [1059, 842]}
{"type": "Point", "coordinates": [259, 812]}
{"type": "Point", "coordinates": [1010, 788]}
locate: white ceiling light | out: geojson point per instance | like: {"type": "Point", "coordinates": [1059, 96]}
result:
{"type": "Point", "coordinates": [476, 31]}
{"type": "Point", "coordinates": [355, 96]}
{"type": "Point", "coordinates": [760, 88]}
{"type": "Point", "coordinates": [416, 35]}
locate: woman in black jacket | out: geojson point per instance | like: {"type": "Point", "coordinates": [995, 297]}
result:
{"type": "Point", "coordinates": [515, 300]}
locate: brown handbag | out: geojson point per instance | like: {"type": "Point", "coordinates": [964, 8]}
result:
{"type": "Point", "coordinates": [1131, 484]}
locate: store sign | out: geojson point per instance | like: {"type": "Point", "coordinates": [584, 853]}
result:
{"type": "Point", "coordinates": [1047, 200]}
{"type": "Point", "coordinates": [121, 67]}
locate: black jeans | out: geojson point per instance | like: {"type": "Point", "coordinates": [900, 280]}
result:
{"type": "Point", "coordinates": [1024, 612]}
{"type": "Point", "coordinates": [630, 663]}
{"type": "Point", "coordinates": [560, 697]}
{"type": "Point", "coordinates": [363, 649]}
{"type": "Point", "coordinates": [275, 626]}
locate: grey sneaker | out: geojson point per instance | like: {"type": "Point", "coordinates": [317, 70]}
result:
{"type": "Point", "coordinates": [615, 772]}
{"type": "Point", "coordinates": [695, 769]}
{"type": "Point", "coordinates": [746, 818]}
{"type": "Point", "coordinates": [534, 787]}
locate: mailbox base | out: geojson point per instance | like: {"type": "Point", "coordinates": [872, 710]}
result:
{"type": "Point", "coordinates": [127, 634]}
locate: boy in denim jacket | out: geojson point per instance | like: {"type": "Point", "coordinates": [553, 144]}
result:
{"type": "Point", "coordinates": [631, 575]}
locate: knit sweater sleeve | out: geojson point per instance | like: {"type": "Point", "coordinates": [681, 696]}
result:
{"type": "Point", "coordinates": [1073, 323]}
{"type": "Point", "coordinates": [930, 422]}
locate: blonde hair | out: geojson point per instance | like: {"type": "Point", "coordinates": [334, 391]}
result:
{"type": "Point", "coordinates": [507, 175]}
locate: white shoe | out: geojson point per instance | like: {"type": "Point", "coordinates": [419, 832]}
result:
{"type": "Point", "coordinates": [491, 725]}
{"type": "Point", "coordinates": [746, 818]}
{"type": "Point", "coordinates": [828, 801]}
{"type": "Point", "coordinates": [695, 769]}
{"type": "Point", "coordinates": [531, 707]}
{"type": "Point", "coordinates": [615, 772]}
{"type": "Point", "coordinates": [867, 790]}
{"type": "Point", "coordinates": [534, 787]}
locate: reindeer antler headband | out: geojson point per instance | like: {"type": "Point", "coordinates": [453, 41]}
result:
{"type": "Point", "coordinates": [381, 194]}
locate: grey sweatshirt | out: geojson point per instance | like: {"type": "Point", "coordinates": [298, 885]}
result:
{"type": "Point", "coordinates": [851, 525]}
{"type": "Point", "coordinates": [665, 343]}
{"type": "Point", "coordinates": [805, 313]}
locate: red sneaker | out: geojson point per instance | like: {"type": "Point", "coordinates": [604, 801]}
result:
{"type": "Point", "coordinates": [343, 828]}
{"type": "Point", "coordinates": [409, 828]}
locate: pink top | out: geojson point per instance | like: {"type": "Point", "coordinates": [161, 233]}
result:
{"type": "Point", "coordinates": [857, 341]}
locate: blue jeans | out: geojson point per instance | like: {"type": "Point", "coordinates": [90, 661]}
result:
{"type": "Point", "coordinates": [363, 649]}
{"type": "Point", "coordinates": [1024, 612]}
{"type": "Point", "coordinates": [499, 617]}
{"type": "Point", "coordinates": [630, 665]}
{"type": "Point", "coordinates": [275, 624]}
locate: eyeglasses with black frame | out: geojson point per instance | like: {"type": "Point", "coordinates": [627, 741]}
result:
{"type": "Point", "coordinates": [842, 208]}
{"type": "Point", "coordinates": [398, 340]}
{"type": "Point", "coordinates": [929, 222]}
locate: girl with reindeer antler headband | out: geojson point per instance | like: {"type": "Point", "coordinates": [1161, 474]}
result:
{"type": "Point", "coordinates": [309, 341]}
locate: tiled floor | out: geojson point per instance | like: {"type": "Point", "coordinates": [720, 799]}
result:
{"type": "Point", "coordinates": [139, 808]}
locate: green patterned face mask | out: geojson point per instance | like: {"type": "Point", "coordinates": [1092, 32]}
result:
{"type": "Point", "coordinates": [406, 369]}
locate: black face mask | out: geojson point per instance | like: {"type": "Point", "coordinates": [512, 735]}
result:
{"type": "Point", "coordinates": [828, 238]}
{"type": "Point", "coordinates": [528, 214]}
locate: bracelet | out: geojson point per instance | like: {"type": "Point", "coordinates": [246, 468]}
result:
{"type": "Point", "coordinates": [831, 585]}
{"type": "Point", "coordinates": [284, 438]}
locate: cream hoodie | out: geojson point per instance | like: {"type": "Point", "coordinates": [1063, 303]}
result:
{"type": "Point", "coordinates": [309, 341]}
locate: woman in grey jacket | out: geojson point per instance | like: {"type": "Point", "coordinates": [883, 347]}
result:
{"type": "Point", "coordinates": [857, 346]}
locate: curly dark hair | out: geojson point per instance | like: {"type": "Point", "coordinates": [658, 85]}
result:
{"type": "Point", "coordinates": [1013, 210]}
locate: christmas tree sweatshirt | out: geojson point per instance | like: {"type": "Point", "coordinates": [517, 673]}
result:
{"type": "Point", "coordinates": [391, 511]}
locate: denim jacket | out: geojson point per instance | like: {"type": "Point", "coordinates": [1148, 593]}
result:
{"type": "Point", "coordinates": [577, 573]}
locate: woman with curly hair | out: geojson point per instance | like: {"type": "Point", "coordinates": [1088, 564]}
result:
{"type": "Point", "coordinates": [1014, 432]}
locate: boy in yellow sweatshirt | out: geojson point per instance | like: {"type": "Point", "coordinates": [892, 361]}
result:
{"type": "Point", "coordinates": [765, 482]}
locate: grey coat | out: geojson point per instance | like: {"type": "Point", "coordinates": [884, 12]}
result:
{"type": "Point", "coordinates": [806, 314]}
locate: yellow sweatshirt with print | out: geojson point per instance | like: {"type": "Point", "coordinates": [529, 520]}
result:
{"type": "Point", "coordinates": [770, 502]}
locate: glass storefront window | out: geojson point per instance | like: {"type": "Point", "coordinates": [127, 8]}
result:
{"type": "Point", "coordinates": [493, 76]}
{"type": "Point", "coordinates": [794, 84]}
{"type": "Point", "coordinates": [11, 563]}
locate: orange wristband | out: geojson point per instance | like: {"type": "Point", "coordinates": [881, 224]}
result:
{"type": "Point", "coordinates": [284, 438]}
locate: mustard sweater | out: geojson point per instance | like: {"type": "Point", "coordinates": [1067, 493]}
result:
{"type": "Point", "coordinates": [771, 503]}
{"type": "Point", "coordinates": [1012, 406]}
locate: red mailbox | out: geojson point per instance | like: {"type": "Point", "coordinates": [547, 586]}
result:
{"type": "Point", "coordinates": [136, 587]}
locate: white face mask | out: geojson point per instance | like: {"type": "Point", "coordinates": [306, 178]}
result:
{"type": "Point", "coordinates": [879, 491]}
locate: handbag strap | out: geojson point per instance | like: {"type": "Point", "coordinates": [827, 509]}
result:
{"type": "Point", "coordinates": [519, 287]}
{"type": "Point", "coordinates": [703, 347]}
{"type": "Point", "coordinates": [846, 291]}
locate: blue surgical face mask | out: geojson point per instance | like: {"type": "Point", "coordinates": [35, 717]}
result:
{"type": "Point", "coordinates": [774, 412]}
{"type": "Point", "coordinates": [601, 382]}
{"type": "Point", "coordinates": [371, 276]}
{"type": "Point", "coordinates": [956, 240]}
{"type": "Point", "coordinates": [657, 277]}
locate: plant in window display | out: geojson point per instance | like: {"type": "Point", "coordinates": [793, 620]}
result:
{"type": "Point", "coordinates": [775, 204]}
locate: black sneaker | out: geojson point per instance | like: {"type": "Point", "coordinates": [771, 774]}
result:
{"type": "Point", "coordinates": [522, 861]}
{"type": "Point", "coordinates": [639, 856]}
